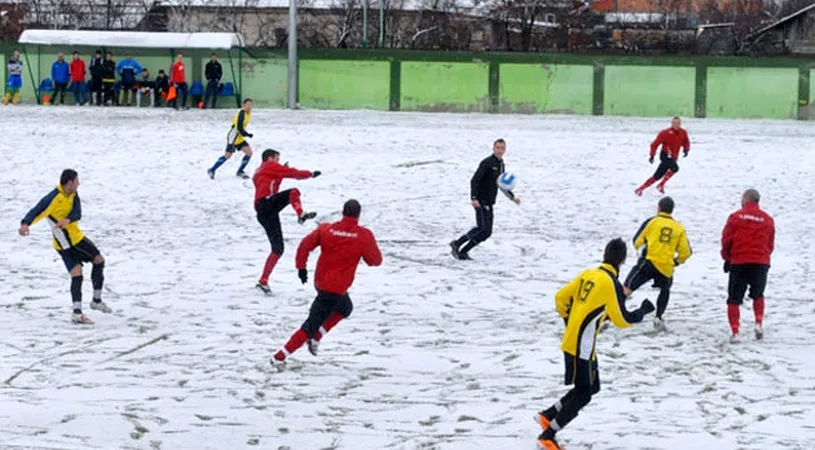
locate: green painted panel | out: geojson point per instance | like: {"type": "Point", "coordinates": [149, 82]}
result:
{"type": "Point", "coordinates": [454, 87]}
{"type": "Point", "coordinates": [643, 91]}
{"type": "Point", "coordinates": [265, 81]}
{"type": "Point", "coordinates": [345, 84]}
{"type": "Point", "coordinates": [3, 71]}
{"type": "Point", "coordinates": [546, 88]}
{"type": "Point", "coordinates": [752, 93]}
{"type": "Point", "coordinates": [812, 87]}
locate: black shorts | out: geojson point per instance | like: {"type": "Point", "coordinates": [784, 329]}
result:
{"type": "Point", "coordinates": [232, 148]}
{"type": "Point", "coordinates": [83, 251]}
{"type": "Point", "coordinates": [581, 373]}
{"type": "Point", "coordinates": [324, 305]}
{"type": "Point", "coordinates": [666, 163]}
{"type": "Point", "coordinates": [743, 276]}
{"type": "Point", "coordinates": [644, 272]}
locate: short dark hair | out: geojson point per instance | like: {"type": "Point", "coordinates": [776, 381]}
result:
{"type": "Point", "coordinates": [615, 252]}
{"type": "Point", "coordinates": [109, 53]}
{"type": "Point", "coordinates": [499, 141]}
{"type": "Point", "coordinates": [67, 176]}
{"type": "Point", "coordinates": [666, 205]}
{"type": "Point", "coordinates": [161, 71]}
{"type": "Point", "coordinates": [213, 54]}
{"type": "Point", "coordinates": [351, 208]}
{"type": "Point", "coordinates": [76, 52]}
{"type": "Point", "coordinates": [247, 100]}
{"type": "Point", "coordinates": [677, 118]}
{"type": "Point", "coordinates": [269, 153]}
{"type": "Point", "coordinates": [99, 52]}
{"type": "Point", "coordinates": [752, 196]}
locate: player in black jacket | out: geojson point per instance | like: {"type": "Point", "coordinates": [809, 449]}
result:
{"type": "Point", "coordinates": [483, 190]}
{"type": "Point", "coordinates": [96, 68]}
{"type": "Point", "coordinates": [214, 73]}
{"type": "Point", "coordinates": [108, 77]}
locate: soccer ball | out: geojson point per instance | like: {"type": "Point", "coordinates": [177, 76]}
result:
{"type": "Point", "coordinates": [506, 182]}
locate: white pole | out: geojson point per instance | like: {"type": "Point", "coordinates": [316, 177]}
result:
{"type": "Point", "coordinates": [292, 54]}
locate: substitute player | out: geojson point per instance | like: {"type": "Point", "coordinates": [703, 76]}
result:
{"type": "Point", "coordinates": [15, 79]}
{"type": "Point", "coordinates": [748, 240]}
{"type": "Point", "coordinates": [666, 246]}
{"type": "Point", "coordinates": [671, 139]}
{"type": "Point", "coordinates": [483, 190]}
{"type": "Point", "coordinates": [594, 296]}
{"type": "Point", "coordinates": [343, 244]}
{"type": "Point", "coordinates": [63, 210]}
{"type": "Point", "coordinates": [236, 141]}
{"type": "Point", "coordinates": [269, 202]}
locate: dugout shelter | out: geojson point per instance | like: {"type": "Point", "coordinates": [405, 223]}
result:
{"type": "Point", "coordinates": [154, 51]}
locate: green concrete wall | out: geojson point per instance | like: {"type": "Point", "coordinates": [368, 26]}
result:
{"type": "Point", "coordinates": [752, 93]}
{"type": "Point", "coordinates": [812, 86]}
{"type": "Point", "coordinates": [265, 81]}
{"type": "Point", "coordinates": [3, 72]}
{"type": "Point", "coordinates": [545, 88]}
{"type": "Point", "coordinates": [649, 91]}
{"type": "Point", "coordinates": [344, 84]}
{"type": "Point", "coordinates": [439, 86]}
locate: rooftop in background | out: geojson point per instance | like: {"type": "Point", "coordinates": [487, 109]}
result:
{"type": "Point", "coordinates": [131, 39]}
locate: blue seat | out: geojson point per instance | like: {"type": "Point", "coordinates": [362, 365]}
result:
{"type": "Point", "coordinates": [197, 88]}
{"type": "Point", "coordinates": [228, 89]}
{"type": "Point", "coordinates": [46, 86]}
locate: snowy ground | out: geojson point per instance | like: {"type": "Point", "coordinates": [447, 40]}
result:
{"type": "Point", "coordinates": [439, 354]}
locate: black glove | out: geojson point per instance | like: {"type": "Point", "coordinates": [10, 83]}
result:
{"type": "Point", "coordinates": [566, 321]}
{"type": "Point", "coordinates": [651, 160]}
{"type": "Point", "coordinates": [686, 153]}
{"type": "Point", "coordinates": [303, 274]}
{"type": "Point", "coordinates": [647, 307]}
{"type": "Point", "coordinates": [676, 262]}
{"type": "Point", "coordinates": [726, 267]}
{"type": "Point", "coordinates": [315, 174]}
{"type": "Point", "coordinates": [250, 135]}
{"type": "Point", "coordinates": [286, 164]}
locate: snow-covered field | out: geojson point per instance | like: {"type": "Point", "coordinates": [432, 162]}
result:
{"type": "Point", "coordinates": [438, 354]}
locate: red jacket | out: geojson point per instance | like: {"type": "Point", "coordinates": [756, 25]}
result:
{"type": "Point", "coordinates": [177, 75]}
{"type": "Point", "coordinates": [342, 245]}
{"type": "Point", "coordinates": [77, 69]}
{"type": "Point", "coordinates": [749, 236]}
{"type": "Point", "coordinates": [270, 174]}
{"type": "Point", "coordinates": [671, 140]}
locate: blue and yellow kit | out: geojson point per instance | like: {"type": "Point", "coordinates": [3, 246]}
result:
{"type": "Point", "coordinates": [54, 207]}
{"type": "Point", "coordinates": [666, 243]}
{"type": "Point", "coordinates": [237, 134]}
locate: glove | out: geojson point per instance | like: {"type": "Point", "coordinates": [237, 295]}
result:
{"type": "Point", "coordinates": [250, 135]}
{"type": "Point", "coordinates": [686, 153]}
{"type": "Point", "coordinates": [286, 164]}
{"type": "Point", "coordinates": [726, 267]}
{"type": "Point", "coordinates": [315, 174]}
{"type": "Point", "coordinates": [303, 274]}
{"type": "Point", "coordinates": [647, 307]}
{"type": "Point", "coordinates": [651, 160]}
{"type": "Point", "coordinates": [676, 262]}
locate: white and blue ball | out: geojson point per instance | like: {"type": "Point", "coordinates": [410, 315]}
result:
{"type": "Point", "coordinates": [507, 181]}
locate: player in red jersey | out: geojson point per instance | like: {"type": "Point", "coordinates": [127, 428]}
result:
{"type": "Point", "coordinates": [269, 202]}
{"type": "Point", "coordinates": [343, 244]}
{"type": "Point", "coordinates": [671, 139]}
{"type": "Point", "coordinates": [748, 240]}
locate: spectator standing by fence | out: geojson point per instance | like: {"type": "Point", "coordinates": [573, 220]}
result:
{"type": "Point", "coordinates": [96, 69]}
{"type": "Point", "coordinates": [214, 73]}
{"type": "Point", "coordinates": [77, 69]}
{"type": "Point", "coordinates": [108, 77]}
{"type": "Point", "coordinates": [61, 74]}
{"type": "Point", "coordinates": [179, 79]}
{"type": "Point", "coordinates": [128, 69]}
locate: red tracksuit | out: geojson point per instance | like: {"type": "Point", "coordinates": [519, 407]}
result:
{"type": "Point", "coordinates": [748, 240]}
{"type": "Point", "coordinates": [77, 69]}
{"type": "Point", "coordinates": [748, 237]}
{"type": "Point", "coordinates": [671, 141]}
{"type": "Point", "coordinates": [270, 174]}
{"type": "Point", "coordinates": [343, 244]}
{"type": "Point", "coordinates": [178, 76]}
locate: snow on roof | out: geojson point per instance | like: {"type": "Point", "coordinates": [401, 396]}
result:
{"type": "Point", "coordinates": [131, 39]}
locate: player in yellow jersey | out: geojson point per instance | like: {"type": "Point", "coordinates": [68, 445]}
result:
{"type": "Point", "coordinates": [666, 246]}
{"type": "Point", "coordinates": [62, 210]}
{"type": "Point", "coordinates": [236, 141]}
{"type": "Point", "coordinates": [594, 296]}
